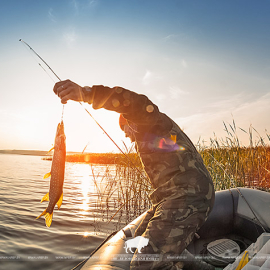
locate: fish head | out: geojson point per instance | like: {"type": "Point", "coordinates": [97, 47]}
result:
{"type": "Point", "coordinates": [60, 137]}
{"type": "Point", "coordinates": [60, 129]}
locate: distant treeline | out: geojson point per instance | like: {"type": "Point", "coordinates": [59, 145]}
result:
{"type": "Point", "coordinates": [102, 158]}
{"type": "Point", "coordinates": [30, 152]}
{"type": "Point", "coordinates": [24, 152]}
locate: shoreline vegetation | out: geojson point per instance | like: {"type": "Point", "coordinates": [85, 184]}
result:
{"type": "Point", "coordinates": [229, 162]}
{"type": "Point", "coordinates": [24, 152]}
{"type": "Point", "coordinates": [123, 188]}
{"type": "Point", "coordinates": [101, 158]}
{"type": "Point", "coordinates": [30, 152]}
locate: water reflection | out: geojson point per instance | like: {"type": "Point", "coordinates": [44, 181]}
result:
{"type": "Point", "coordinates": [85, 188]}
{"type": "Point", "coordinates": [81, 175]}
{"type": "Point", "coordinates": [75, 229]}
{"type": "Point", "coordinates": [97, 194]}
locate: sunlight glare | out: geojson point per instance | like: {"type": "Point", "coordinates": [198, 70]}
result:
{"type": "Point", "coordinates": [86, 185]}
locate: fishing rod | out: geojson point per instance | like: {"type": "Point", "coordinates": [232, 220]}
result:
{"type": "Point", "coordinates": [133, 165]}
{"type": "Point", "coordinates": [43, 68]}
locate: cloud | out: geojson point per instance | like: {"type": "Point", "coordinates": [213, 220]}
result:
{"type": "Point", "coordinates": [151, 77]}
{"type": "Point", "coordinates": [180, 38]}
{"type": "Point", "coordinates": [51, 15]}
{"type": "Point", "coordinates": [82, 5]}
{"type": "Point", "coordinates": [184, 63]}
{"type": "Point", "coordinates": [93, 3]}
{"type": "Point", "coordinates": [147, 77]}
{"type": "Point", "coordinates": [160, 97]}
{"type": "Point", "coordinates": [75, 5]}
{"type": "Point", "coordinates": [170, 37]}
{"type": "Point", "coordinates": [70, 37]}
{"type": "Point", "coordinates": [175, 92]}
{"type": "Point", "coordinates": [230, 103]}
{"type": "Point", "coordinates": [209, 122]}
{"type": "Point", "coordinates": [256, 111]}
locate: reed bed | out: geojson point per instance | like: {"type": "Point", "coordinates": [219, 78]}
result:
{"type": "Point", "coordinates": [124, 188]}
{"type": "Point", "coordinates": [99, 158]}
{"type": "Point", "coordinates": [232, 164]}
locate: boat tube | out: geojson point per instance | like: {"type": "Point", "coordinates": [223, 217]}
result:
{"type": "Point", "coordinates": [239, 217]}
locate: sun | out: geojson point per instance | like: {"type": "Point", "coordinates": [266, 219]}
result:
{"type": "Point", "coordinates": [84, 133]}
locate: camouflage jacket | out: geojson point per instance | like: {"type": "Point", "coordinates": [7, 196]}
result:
{"type": "Point", "coordinates": [170, 159]}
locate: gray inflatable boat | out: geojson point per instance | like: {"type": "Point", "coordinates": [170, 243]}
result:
{"type": "Point", "coordinates": [239, 217]}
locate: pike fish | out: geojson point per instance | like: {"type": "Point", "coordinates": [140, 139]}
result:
{"type": "Point", "coordinates": [55, 194]}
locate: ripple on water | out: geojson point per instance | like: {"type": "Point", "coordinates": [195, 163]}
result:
{"type": "Point", "coordinates": [77, 228]}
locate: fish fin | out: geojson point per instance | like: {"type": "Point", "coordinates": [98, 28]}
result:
{"type": "Point", "coordinates": [45, 198]}
{"type": "Point", "coordinates": [48, 219]}
{"type": "Point", "coordinates": [47, 175]}
{"type": "Point", "coordinates": [43, 213]}
{"type": "Point", "coordinates": [59, 203]}
{"type": "Point", "coordinates": [50, 150]}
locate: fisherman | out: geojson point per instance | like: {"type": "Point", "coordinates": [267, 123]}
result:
{"type": "Point", "coordinates": [183, 192]}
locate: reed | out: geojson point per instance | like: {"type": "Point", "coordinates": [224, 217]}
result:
{"type": "Point", "coordinates": [98, 158]}
{"type": "Point", "coordinates": [123, 191]}
{"type": "Point", "coordinates": [232, 164]}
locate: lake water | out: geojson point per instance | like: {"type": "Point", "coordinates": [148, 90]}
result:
{"type": "Point", "coordinates": [77, 228]}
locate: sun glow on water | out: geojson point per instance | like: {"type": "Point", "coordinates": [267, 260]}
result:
{"type": "Point", "coordinates": [85, 185]}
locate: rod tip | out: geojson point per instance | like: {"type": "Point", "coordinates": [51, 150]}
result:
{"type": "Point", "coordinates": [20, 39]}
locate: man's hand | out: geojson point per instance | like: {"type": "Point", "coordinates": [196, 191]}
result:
{"type": "Point", "coordinates": [68, 90]}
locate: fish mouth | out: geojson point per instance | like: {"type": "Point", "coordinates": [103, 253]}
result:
{"type": "Point", "coordinates": [60, 129]}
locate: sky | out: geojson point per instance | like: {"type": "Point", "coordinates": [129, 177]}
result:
{"type": "Point", "coordinates": [202, 62]}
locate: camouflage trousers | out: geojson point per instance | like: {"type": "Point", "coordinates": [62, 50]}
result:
{"type": "Point", "coordinates": [170, 226]}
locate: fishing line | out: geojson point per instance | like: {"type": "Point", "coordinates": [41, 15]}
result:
{"type": "Point", "coordinates": [46, 72]}
{"type": "Point", "coordinates": [36, 60]}
{"type": "Point", "coordinates": [131, 163]}
{"type": "Point", "coordinates": [31, 49]}
{"type": "Point", "coordinates": [40, 58]}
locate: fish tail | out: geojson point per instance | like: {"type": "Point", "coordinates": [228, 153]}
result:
{"type": "Point", "coordinates": [43, 213]}
{"type": "Point", "coordinates": [48, 217]}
